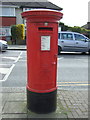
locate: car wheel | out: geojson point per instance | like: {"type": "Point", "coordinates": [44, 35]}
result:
{"type": "Point", "coordinates": [83, 53]}
{"type": "Point", "coordinates": [59, 50]}
{"type": "Point", "coordinates": [89, 52]}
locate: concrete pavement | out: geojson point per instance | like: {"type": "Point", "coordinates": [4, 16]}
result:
{"type": "Point", "coordinates": [70, 104]}
{"type": "Point", "coordinates": [17, 47]}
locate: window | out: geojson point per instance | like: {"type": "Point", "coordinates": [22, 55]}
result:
{"type": "Point", "coordinates": [67, 36]}
{"type": "Point", "coordinates": [26, 9]}
{"type": "Point", "coordinates": [79, 37]}
{"type": "Point", "coordinates": [58, 35]}
{"type": "Point", "coordinates": [5, 31]}
{"type": "Point", "coordinates": [7, 11]}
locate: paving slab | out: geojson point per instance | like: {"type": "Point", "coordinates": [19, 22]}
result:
{"type": "Point", "coordinates": [17, 97]}
{"type": "Point", "coordinates": [12, 89]}
{"type": "Point", "coordinates": [49, 115]}
{"type": "Point", "coordinates": [15, 116]}
{"type": "Point", "coordinates": [15, 107]}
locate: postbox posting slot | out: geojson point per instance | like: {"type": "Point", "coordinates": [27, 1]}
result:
{"type": "Point", "coordinates": [45, 29]}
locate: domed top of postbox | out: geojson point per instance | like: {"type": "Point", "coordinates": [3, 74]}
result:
{"type": "Point", "coordinates": [42, 15]}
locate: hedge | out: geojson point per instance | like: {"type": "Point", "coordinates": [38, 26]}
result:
{"type": "Point", "coordinates": [17, 32]}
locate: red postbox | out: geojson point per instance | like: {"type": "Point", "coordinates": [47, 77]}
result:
{"type": "Point", "coordinates": [42, 49]}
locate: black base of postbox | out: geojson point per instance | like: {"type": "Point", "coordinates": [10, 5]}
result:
{"type": "Point", "coordinates": [41, 102]}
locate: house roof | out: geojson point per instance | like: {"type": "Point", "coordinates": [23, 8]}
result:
{"type": "Point", "coordinates": [86, 26]}
{"type": "Point", "coordinates": [31, 4]}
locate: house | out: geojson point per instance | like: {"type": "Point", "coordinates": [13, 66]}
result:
{"type": "Point", "coordinates": [87, 26]}
{"type": "Point", "coordinates": [89, 15]}
{"type": "Point", "coordinates": [10, 13]}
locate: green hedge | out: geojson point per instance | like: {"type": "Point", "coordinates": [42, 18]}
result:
{"type": "Point", "coordinates": [17, 32]}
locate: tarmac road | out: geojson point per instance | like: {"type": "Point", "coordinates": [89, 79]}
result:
{"type": "Point", "coordinates": [72, 70]}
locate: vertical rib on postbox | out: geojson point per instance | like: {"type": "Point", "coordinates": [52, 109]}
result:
{"type": "Point", "coordinates": [42, 40]}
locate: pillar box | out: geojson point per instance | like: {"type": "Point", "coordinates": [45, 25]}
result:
{"type": "Point", "coordinates": [42, 49]}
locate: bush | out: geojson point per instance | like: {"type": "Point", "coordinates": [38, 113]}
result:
{"type": "Point", "coordinates": [17, 32]}
{"type": "Point", "coordinates": [20, 31]}
{"type": "Point", "coordinates": [14, 32]}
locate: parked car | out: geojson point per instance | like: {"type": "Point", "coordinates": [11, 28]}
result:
{"type": "Point", "coordinates": [73, 42]}
{"type": "Point", "coordinates": [3, 45]}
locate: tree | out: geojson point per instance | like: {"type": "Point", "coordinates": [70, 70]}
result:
{"type": "Point", "coordinates": [74, 29]}
{"type": "Point", "coordinates": [63, 26]}
{"type": "Point", "coordinates": [80, 30]}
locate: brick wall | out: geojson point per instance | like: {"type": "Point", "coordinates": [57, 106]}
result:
{"type": "Point", "coordinates": [8, 21]}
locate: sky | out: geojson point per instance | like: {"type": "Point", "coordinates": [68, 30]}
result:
{"type": "Point", "coordinates": [75, 12]}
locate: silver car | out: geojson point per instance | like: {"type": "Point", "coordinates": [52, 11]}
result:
{"type": "Point", "coordinates": [73, 42]}
{"type": "Point", "coordinates": [3, 45]}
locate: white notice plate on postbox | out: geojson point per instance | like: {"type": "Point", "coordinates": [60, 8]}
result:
{"type": "Point", "coordinates": [45, 43]}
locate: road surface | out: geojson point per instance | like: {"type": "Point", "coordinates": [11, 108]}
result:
{"type": "Point", "coordinates": [72, 70]}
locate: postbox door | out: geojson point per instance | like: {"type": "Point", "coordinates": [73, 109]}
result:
{"type": "Point", "coordinates": [48, 61]}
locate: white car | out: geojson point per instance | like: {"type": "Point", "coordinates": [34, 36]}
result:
{"type": "Point", "coordinates": [3, 45]}
{"type": "Point", "coordinates": [73, 42]}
